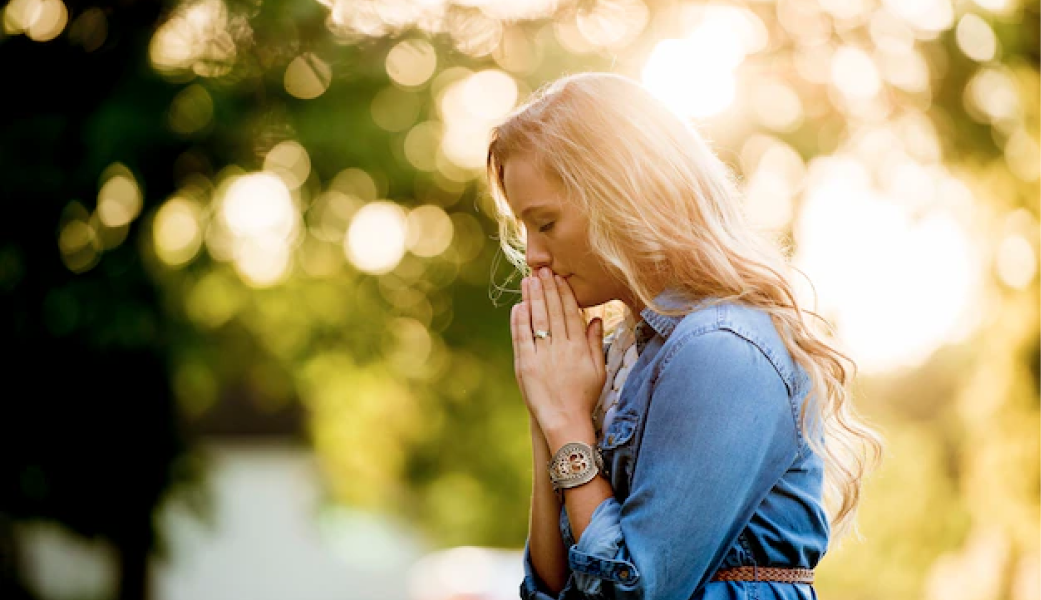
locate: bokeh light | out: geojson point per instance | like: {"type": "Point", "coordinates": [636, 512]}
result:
{"type": "Point", "coordinates": [408, 346]}
{"type": "Point", "coordinates": [375, 241]}
{"type": "Point", "coordinates": [119, 199]}
{"type": "Point", "coordinates": [470, 107]}
{"type": "Point", "coordinates": [991, 97]}
{"type": "Point", "coordinates": [78, 240]}
{"type": "Point", "coordinates": [854, 73]}
{"type": "Point", "coordinates": [612, 23]}
{"type": "Point", "coordinates": [896, 287]}
{"type": "Point", "coordinates": [928, 17]}
{"type": "Point", "coordinates": [999, 7]}
{"type": "Point", "coordinates": [777, 106]}
{"type": "Point", "coordinates": [1016, 262]}
{"type": "Point", "coordinates": [421, 145]}
{"type": "Point", "coordinates": [777, 173]}
{"type": "Point", "coordinates": [428, 231]}
{"type": "Point", "coordinates": [258, 205]}
{"type": "Point", "coordinates": [706, 58]}
{"type": "Point", "coordinates": [195, 39]}
{"type": "Point", "coordinates": [1023, 155]}
{"type": "Point", "coordinates": [290, 161]}
{"type": "Point", "coordinates": [191, 110]}
{"type": "Point", "coordinates": [307, 76]}
{"type": "Point", "coordinates": [177, 231]}
{"type": "Point", "coordinates": [411, 63]}
{"type": "Point", "coordinates": [975, 38]}
{"type": "Point", "coordinates": [89, 29]}
{"type": "Point", "coordinates": [40, 20]}
{"type": "Point", "coordinates": [357, 183]}
{"type": "Point", "coordinates": [262, 221]}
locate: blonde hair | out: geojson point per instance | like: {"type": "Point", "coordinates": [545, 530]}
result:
{"type": "Point", "coordinates": [662, 207]}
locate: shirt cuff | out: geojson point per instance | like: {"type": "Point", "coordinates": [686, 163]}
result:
{"type": "Point", "coordinates": [597, 557]}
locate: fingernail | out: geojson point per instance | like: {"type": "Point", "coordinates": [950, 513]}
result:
{"type": "Point", "coordinates": [545, 272]}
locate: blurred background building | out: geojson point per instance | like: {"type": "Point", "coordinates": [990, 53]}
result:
{"type": "Point", "coordinates": [254, 317]}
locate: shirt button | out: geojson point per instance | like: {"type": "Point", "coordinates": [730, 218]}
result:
{"type": "Point", "coordinates": [624, 573]}
{"type": "Point", "coordinates": [610, 439]}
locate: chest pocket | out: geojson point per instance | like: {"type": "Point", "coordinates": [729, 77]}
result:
{"type": "Point", "coordinates": [618, 448]}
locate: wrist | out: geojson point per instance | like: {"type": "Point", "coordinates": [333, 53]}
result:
{"type": "Point", "coordinates": [538, 439]}
{"type": "Point", "coordinates": [572, 430]}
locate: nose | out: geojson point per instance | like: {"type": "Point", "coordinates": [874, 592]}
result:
{"type": "Point", "coordinates": [537, 256]}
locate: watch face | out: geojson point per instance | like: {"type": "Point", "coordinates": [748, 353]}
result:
{"type": "Point", "coordinates": [574, 464]}
{"type": "Point", "coordinates": [579, 461]}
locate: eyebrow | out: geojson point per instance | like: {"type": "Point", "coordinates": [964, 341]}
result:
{"type": "Point", "coordinates": [536, 208]}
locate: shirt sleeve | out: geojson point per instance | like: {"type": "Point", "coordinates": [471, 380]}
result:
{"type": "Point", "coordinates": [720, 432]}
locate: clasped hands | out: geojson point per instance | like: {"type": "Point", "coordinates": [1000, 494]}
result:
{"type": "Point", "coordinates": [560, 376]}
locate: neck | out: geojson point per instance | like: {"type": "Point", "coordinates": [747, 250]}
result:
{"type": "Point", "coordinates": [636, 306]}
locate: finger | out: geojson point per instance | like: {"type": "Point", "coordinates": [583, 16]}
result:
{"type": "Point", "coordinates": [554, 308]}
{"type": "Point", "coordinates": [525, 341]}
{"type": "Point", "coordinates": [595, 337]}
{"type": "Point", "coordinates": [514, 328]}
{"type": "Point", "coordinates": [572, 314]}
{"type": "Point", "coordinates": [519, 329]}
{"type": "Point", "coordinates": [539, 316]}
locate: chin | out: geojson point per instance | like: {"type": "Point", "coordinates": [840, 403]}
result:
{"type": "Point", "coordinates": [576, 293]}
{"type": "Point", "coordinates": [580, 297]}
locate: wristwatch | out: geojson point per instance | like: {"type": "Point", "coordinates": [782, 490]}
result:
{"type": "Point", "coordinates": [576, 463]}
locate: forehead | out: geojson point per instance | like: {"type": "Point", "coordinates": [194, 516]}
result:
{"type": "Point", "coordinates": [529, 188]}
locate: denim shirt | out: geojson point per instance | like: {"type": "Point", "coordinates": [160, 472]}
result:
{"type": "Point", "coordinates": [709, 468]}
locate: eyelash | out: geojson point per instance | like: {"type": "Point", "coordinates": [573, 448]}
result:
{"type": "Point", "coordinates": [547, 227]}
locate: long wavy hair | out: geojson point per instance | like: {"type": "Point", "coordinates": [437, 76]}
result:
{"type": "Point", "coordinates": [663, 207]}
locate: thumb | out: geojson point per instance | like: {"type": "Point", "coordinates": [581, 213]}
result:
{"type": "Point", "coordinates": [595, 337]}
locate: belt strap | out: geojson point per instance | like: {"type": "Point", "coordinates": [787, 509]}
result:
{"type": "Point", "coordinates": [754, 573]}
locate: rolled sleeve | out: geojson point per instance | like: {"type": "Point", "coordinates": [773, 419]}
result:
{"type": "Point", "coordinates": [720, 431]}
{"type": "Point", "coordinates": [602, 538]}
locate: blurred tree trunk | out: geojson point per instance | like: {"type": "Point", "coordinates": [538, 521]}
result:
{"type": "Point", "coordinates": [133, 565]}
{"type": "Point", "coordinates": [11, 585]}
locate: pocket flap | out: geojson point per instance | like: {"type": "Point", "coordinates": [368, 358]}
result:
{"type": "Point", "coordinates": [620, 431]}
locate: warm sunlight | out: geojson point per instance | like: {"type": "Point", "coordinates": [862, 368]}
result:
{"type": "Point", "coordinates": [896, 286]}
{"type": "Point", "coordinates": [696, 75]}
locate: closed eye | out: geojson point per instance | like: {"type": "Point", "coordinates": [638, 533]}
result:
{"type": "Point", "coordinates": [547, 226]}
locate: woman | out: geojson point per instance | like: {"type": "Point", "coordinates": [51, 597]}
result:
{"type": "Point", "coordinates": [705, 474]}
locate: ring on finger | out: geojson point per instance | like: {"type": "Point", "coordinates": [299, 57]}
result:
{"type": "Point", "coordinates": [542, 334]}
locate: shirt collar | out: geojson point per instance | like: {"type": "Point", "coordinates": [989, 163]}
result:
{"type": "Point", "coordinates": [669, 298]}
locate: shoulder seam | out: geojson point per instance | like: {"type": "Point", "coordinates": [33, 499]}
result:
{"type": "Point", "coordinates": [682, 342]}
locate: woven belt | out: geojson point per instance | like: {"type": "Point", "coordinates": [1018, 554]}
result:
{"type": "Point", "coordinates": [764, 574]}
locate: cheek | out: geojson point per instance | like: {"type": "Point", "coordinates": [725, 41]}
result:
{"type": "Point", "coordinates": [585, 296]}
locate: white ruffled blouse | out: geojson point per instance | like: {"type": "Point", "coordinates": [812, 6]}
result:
{"type": "Point", "coordinates": [622, 352]}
